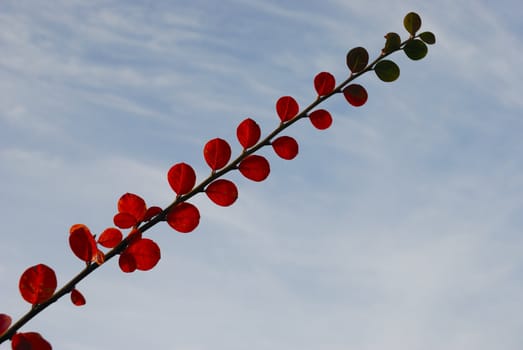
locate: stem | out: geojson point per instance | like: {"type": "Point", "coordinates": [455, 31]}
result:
{"type": "Point", "coordinates": [233, 165]}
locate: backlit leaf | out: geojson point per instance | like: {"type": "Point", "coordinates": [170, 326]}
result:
{"type": "Point", "coordinates": [146, 253]}
{"type": "Point", "coordinates": [37, 284]}
{"type": "Point", "coordinates": [99, 257]}
{"type": "Point", "coordinates": [151, 213]}
{"type": "Point", "coordinates": [132, 204]}
{"type": "Point", "coordinates": [415, 49]}
{"type": "Point", "coordinates": [82, 242]}
{"type": "Point", "coordinates": [5, 323]}
{"type": "Point", "coordinates": [248, 133]}
{"type": "Point", "coordinates": [324, 83]}
{"type": "Point", "coordinates": [428, 37]}
{"type": "Point", "coordinates": [110, 237]}
{"type": "Point", "coordinates": [287, 108]}
{"type": "Point", "coordinates": [392, 42]}
{"type": "Point", "coordinates": [255, 168]}
{"type": "Point", "coordinates": [412, 23]}
{"type": "Point", "coordinates": [387, 71]}
{"type": "Point", "coordinates": [184, 217]}
{"type": "Point", "coordinates": [124, 220]}
{"type": "Point", "coordinates": [321, 119]}
{"type": "Point", "coordinates": [357, 59]}
{"type": "Point", "coordinates": [181, 178]}
{"type": "Point", "coordinates": [29, 341]}
{"type": "Point", "coordinates": [217, 153]}
{"type": "Point", "coordinates": [126, 262]}
{"type": "Point", "coordinates": [77, 298]}
{"type": "Point", "coordinates": [222, 192]}
{"type": "Point", "coordinates": [286, 147]}
{"type": "Point", "coordinates": [355, 94]}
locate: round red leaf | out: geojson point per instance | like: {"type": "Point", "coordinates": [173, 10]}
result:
{"type": "Point", "coordinates": [217, 153]}
{"type": "Point", "coordinates": [184, 217]}
{"type": "Point", "coordinates": [355, 94]}
{"type": "Point", "coordinates": [5, 323]}
{"type": "Point", "coordinates": [248, 133]}
{"type": "Point", "coordinates": [255, 168]}
{"type": "Point", "coordinates": [124, 220]}
{"type": "Point", "coordinates": [321, 119]}
{"type": "Point", "coordinates": [151, 213]}
{"type": "Point", "coordinates": [146, 253]}
{"type": "Point", "coordinates": [132, 204]}
{"type": "Point", "coordinates": [286, 147]}
{"type": "Point", "coordinates": [82, 242]}
{"type": "Point", "coordinates": [287, 108]}
{"type": "Point", "coordinates": [37, 284]}
{"type": "Point", "coordinates": [222, 192]}
{"type": "Point", "coordinates": [324, 83]}
{"type": "Point", "coordinates": [29, 341]}
{"type": "Point", "coordinates": [77, 298]}
{"type": "Point", "coordinates": [110, 237]}
{"type": "Point", "coordinates": [182, 178]}
{"type": "Point", "coordinates": [126, 262]}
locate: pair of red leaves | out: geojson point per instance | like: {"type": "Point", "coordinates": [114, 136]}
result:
{"type": "Point", "coordinates": [23, 341]}
{"type": "Point", "coordinates": [38, 283]}
{"type": "Point", "coordinates": [132, 210]}
{"type": "Point", "coordinates": [141, 254]}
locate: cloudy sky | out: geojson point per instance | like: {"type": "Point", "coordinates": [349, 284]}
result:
{"type": "Point", "coordinates": [397, 228]}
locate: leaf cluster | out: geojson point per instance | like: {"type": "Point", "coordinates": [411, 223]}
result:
{"type": "Point", "coordinates": [38, 284]}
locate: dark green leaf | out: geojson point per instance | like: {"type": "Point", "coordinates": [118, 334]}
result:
{"type": "Point", "coordinates": [392, 42]}
{"type": "Point", "coordinates": [412, 22]}
{"type": "Point", "coordinates": [415, 49]}
{"type": "Point", "coordinates": [428, 37]}
{"type": "Point", "coordinates": [387, 70]}
{"type": "Point", "coordinates": [357, 59]}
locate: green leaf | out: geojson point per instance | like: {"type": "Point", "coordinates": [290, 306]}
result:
{"type": "Point", "coordinates": [392, 42]}
{"type": "Point", "coordinates": [412, 22]}
{"type": "Point", "coordinates": [415, 49]}
{"type": "Point", "coordinates": [357, 59]}
{"type": "Point", "coordinates": [428, 38]}
{"type": "Point", "coordinates": [387, 71]}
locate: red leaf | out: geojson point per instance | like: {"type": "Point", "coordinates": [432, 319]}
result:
{"type": "Point", "coordinates": [222, 192]}
{"type": "Point", "coordinates": [355, 94]}
{"type": "Point", "coordinates": [37, 284]}
{"type": "Point", "coordinates": [286, 147]}
{"type": "Point", "coordinates": [182, 178]}
{"type": "Point", "coordinates": [248, 133]}
{"type": "Point", "coordinates": [287, 108]}
{"type": "Point", "coordinates": [255, 168]}
{"type": "Point", "coordinates": [151, 213]}
{"type": "Point", "coordinates": [29, 341]}
{"type": "Point", "coordinates": [110, 237]}
{"type": "Point", "coordinates": [321, 119]}
{"type": "Point", "coordinates": [82, 242]}
{"type": "Point", "coordinates": [127, 262]}
{"type": "Point", "coordinates": [217, 153]}
{"type": "Point", "coordinates": [184, 217]}
{"type": "Point", "coordinates": [146, 253]}
{"type": "Point", "coordinates": [134, 235]}
{"type": "Point", "coordinates": [324, 83]}
{"type": "Point", "coordinates": [133, 204]}
{"type": "Point", "coordinates": [124, 220]}
{"type": "Point", "coordinates": [5, 323]}
{"type": "Point", "coordinates": [77, 298]}
{"type": "Point", "coordinates": [99, 257]}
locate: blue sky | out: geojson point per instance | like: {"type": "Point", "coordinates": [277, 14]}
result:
{"type": "Point", "coordinates": [397, 228]}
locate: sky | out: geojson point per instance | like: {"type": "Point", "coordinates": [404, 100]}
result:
{"type": "Point", "coordinates": [397, 228]}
